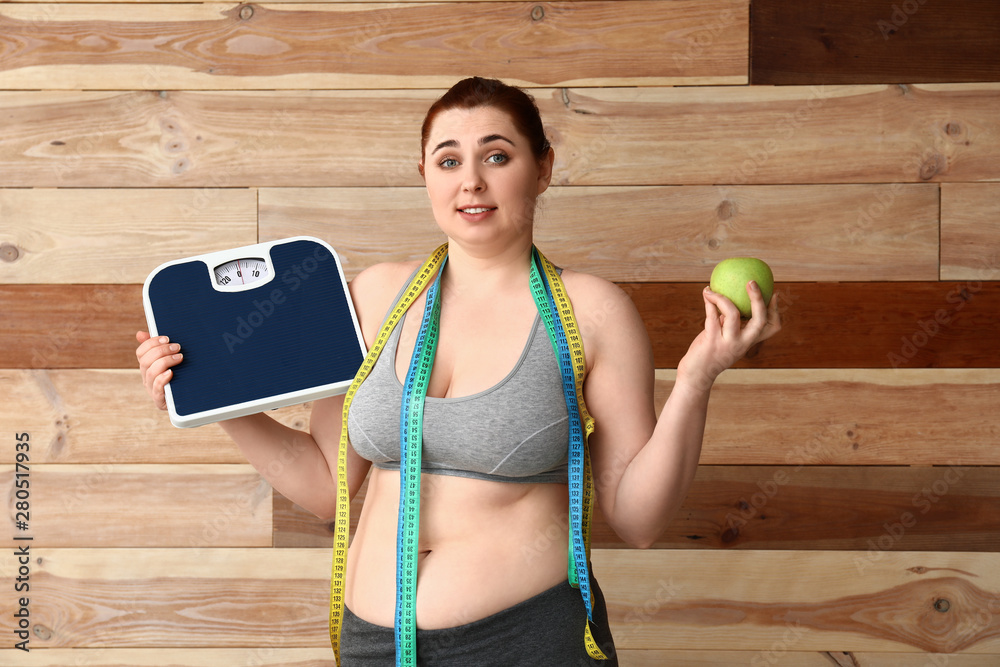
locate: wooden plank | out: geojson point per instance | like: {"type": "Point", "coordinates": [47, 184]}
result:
{"type": "Point", "coordinates": [267, 656]}
{"type": "Point", "coordinates": [871, 41]}
{"type": "Point", "coordinates": [845, 417]}
{"type": "Point", "coordinates": [70, 326]}
{"type": "Point", "coordinates": [117, 235]}
{"type": "Point", "coordinates": [667, 233]}
{"type": "Point", "coordinates": [119, 505]}
{"type": "Point", "coordinates": [176, 598]}
{"type": "Point", "coordinates": [826, 325]}
{"type": "Point", "coordinates": [970, 230]}
{"type": "Point", "coordinates": [219, 46]}
{"type": "Point", "coordinates": [602, 136]}
{"type": "Point", "coordinates": [103, 416]}
{"type": "Point", "coordinates": [842, 325]}
{"type": "Point", "coordinates": [662, 600]}
{"type": "Point", "coordinates": [906, 416]}
{"type": "Point", "coordinates": [810, 600]}
{"type": "Point", "coordinates": [860, 508]}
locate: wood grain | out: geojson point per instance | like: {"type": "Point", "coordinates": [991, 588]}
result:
{"type": "Point", "coordinates": [825, 325]}
{"type": "Point", "coordinates": [859, 508]}
{"type": "Point", "coordinates": [602, 136]}
{"type": "Point", "coordinates": [119, 505]}
{"type": "Point", "coordinates": [662, 600]}
{"type": "Point", "coordinates": [116, 235]}
{"type": "Point", "coordinates": [70, 326]}
{"type": "Point", "coordinates": [103, 416]}
{"type": "Point", "coordinates": [215, 46]}
{"type": "Point", "coordinates": [840, 417]}
{"type": "Point", "coordinates": [850, 417]}
{"type": "Point", "coordinates": [970, 229]}
{"type": "Point", "coordinates": [869, 41]}
{"type": "Point", "coordinates": [177, 598]}
{"type": "Point", "coordinates": [842, 325]}
{"type": "Point", "coordinates": [669, 233]}
{"type": "Point", "coordinates": [811, 600]}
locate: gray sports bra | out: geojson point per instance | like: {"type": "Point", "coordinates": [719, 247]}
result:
{"type": "Point", "coordinates": [515, 431]}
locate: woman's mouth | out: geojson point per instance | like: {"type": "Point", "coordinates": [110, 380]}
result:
{"type": "Point", "coordinates": [475, 210]}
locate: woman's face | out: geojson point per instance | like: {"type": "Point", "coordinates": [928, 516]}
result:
{"type": "Point", "coordinates": [481, 176]}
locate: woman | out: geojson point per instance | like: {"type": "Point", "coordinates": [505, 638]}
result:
{"type": "Point", "coordinates": [495, 417]}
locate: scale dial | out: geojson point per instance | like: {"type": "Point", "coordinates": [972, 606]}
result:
{"type": "Point", "coordinates": [239, 272]}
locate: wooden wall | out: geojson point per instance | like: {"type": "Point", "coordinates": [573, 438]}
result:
{"type": "Point", "coordinates": [846, 509]}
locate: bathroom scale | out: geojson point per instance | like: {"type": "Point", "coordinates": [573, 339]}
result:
{"type": "Point", "coordinates": [261, 327]}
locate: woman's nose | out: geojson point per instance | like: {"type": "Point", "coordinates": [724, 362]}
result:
{"type": "Point", "coordinates": [473, 181]}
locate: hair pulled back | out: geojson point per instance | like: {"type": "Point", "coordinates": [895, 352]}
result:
{"type": "Point", "coordinates": [476, 92]}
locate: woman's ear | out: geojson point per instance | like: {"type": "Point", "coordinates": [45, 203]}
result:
{"type": "Point", "coordinates": [545, 170]}
{"type": "Point", "coordinates": [420, 168]}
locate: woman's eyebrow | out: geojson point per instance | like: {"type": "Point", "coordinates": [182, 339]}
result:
{"type": "Point", "coordinates": [494, 137]}
{"type": "Point", "coordinates": [452, 143]}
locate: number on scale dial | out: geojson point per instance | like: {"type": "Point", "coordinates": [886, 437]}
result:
{"type": "Point", "coordinates": [241, 272]}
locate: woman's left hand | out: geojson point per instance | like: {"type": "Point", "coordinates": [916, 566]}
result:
{"type": "Point", "coordinates": [726, 338]}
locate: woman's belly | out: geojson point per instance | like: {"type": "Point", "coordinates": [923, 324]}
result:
{"type": "Point", "coordinates": [484, 546]}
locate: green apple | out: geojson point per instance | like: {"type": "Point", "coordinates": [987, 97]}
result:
{"type": "Point", "coordinates": [730, 278]}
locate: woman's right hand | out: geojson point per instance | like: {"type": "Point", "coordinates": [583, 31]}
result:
{"type": "Point", "coordinates": [156, 355]}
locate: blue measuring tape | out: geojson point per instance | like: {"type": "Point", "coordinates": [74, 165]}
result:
{"type": "Point", "coordinates": [411, 422]}
{"type": "Point", "coordinates": [556, 312]}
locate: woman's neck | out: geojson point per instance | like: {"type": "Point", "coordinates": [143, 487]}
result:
{"type": "Point", "coordinates": [469, 273]}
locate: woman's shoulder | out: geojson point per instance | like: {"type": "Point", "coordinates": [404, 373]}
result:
{"type": "Point", "coordinates": [373, 290]}
{"type": "Point", "coordinates": [591, 293]}
{"type": "Point", "coordinates": [607, 317]}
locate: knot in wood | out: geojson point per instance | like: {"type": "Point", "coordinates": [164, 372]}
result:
{"type": "Point", "coordinates": [953, 129]}
{"type": "Point", "coordinates": [246, 12]}
{"type": "Point", "coordinates": [726, 209]}
{"type": "Point", "coordinates": [942, 605]}
{"type": "Point", "coordinates": [935, 164]}
{"type": "Point", "coordinates": [9, 252]}
{"type": "Point", "coordinates": [42, 632]}
{"type": "Point", "coordinates": [537, 13]}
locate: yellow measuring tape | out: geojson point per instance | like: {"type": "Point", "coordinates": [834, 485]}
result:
{"type": "Point", "coordinates": [343, 517]}
{"type": "Point", "coordinates": [562, 306]}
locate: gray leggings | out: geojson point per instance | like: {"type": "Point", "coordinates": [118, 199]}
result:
{"type": "Point", "coordinates": [545, 630]}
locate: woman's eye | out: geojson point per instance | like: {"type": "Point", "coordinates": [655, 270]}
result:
{"type": "Point", "coordinates": [448, 163]}
{"type": "Point", "coordinates": [497, 158]}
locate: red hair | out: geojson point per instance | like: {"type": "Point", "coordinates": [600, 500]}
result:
{"type": "Point", "coordinates": [476, 92]}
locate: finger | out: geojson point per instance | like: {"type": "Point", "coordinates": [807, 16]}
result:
{"type": "Point", "coordinates": [150, 343]}
{"type": "Point", "coordinates": [712, 314]}
{"type": "Point", "coordinates": [758, 312]}
{"type": "Point", "coordinates": [158, 390]}
{"type": "Point", "coordinates": [159, 359]}
{"type": "Point", "coordinates": [729, 314]}
{"type": "Point", "coordinates": [758, 309]}
{"type": "Point", "coordinates": [773, 325]}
